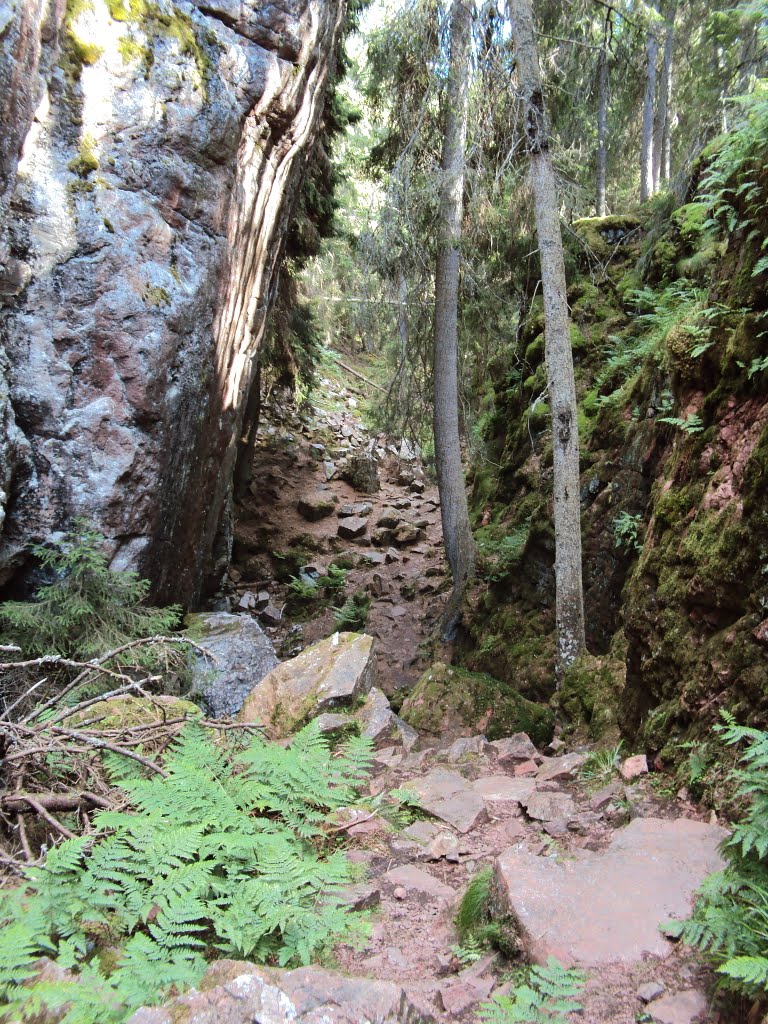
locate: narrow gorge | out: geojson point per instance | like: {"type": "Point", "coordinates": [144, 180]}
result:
{"type": "Point", "coordinates": [383, 512]}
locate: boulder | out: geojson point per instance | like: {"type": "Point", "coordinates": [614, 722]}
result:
{"type": "Point", "coordinates": [571, 910]}
{"type": "Point", "coordinates": [381, 725]}
{"type": "Point", "coordinates": [240, 655]}
{"type": "Point", "coordinates": [357, 508]}
{"type": "Point", "coordinates": [233, 992]}
{"type": "Point", "coordinates": [315, 507]}
{"type": "Point", "coordinates": [362, 472]}
{"type": "Point", "coordinates": [513, 749]}
{"type": "Point", "coordinates": [327, 676]}
{"type": "Point", "coordinates": [352, 527]}
{"type": "Point", "coordinates": [448, 702]}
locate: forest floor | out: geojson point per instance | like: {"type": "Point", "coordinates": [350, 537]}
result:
{"type": "Point", "coordinates": [416, 877]}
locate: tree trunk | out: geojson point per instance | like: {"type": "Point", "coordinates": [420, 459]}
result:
{"type": "Point", "coordinates": [602, 124]}
{"type": "Point", "coordinates": [649, 101]}
{"type": "Point", "coordinates": [243, 474]}
{"type": "Point", "coordinates": [457, 536]}
{"type": "Point", "coordinates": [661, 137]}
{"type": "Point", "coordinates": [559, 360]}
{"type": "Point", "coordinates": [402, 316]}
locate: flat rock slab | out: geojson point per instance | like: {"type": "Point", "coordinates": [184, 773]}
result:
{"type": "Point", "coordinates": [417, 880]}
{"type": "Point", "coordinates": [565, 767]}
{"type": "Point", "coordinates": [241, 655]}
{"type": "Point", "coordinates": [549, 806]}
{"type": "Point", "coordinates": [328, 675]}
{"type": "Point", "coordinates": [683, 1008]}
{"type": "Point", "coordinates": [504, 788]}
{"type": "Point", "coordinates": [602, 908]}
{"type": "Point", "coordinates": [448, 796]}
{"type": "Point", "coordinates": [240, 993]}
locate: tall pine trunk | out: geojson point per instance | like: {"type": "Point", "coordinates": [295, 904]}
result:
{"type": "Point", "coordinates": [457, 536]}
{"type": "Point", "coordinates": [562, 390]}
{"type": "Point", "coordinates": [661, 136]}
{"type": "Point", "coordinates": [602, 125]}
{"type": "Point", "coordinates": [649, 102]}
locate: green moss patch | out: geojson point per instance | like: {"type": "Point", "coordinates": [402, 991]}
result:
{"type": "Point", "coordinates": [448, 701]}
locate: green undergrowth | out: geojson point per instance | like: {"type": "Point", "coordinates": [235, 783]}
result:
{"type": "Point", "coordinates": [87, 608]}
{"type": "Point", "coordinates": [730, 919]}
{"type": "Point", "coordinates": [549, 995]}
{"type": "Point", "coordinates": [224, 854]}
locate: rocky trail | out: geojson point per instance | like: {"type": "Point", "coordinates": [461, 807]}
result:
{"type": "Point", "coordinates": [585, 870]}
{"type": "Point", "coordinates": [327, 492]}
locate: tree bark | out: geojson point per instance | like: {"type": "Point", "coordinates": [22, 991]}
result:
{"type": "Point", "coordinates": [661, 136]}
{"type": "Point", "coordinates": [649, 101]}
{"type": "Point", "coordinates": [457, 535]}
{"type": "Point", "coordinates": [559, 360]}
{"type": "Point", "coordinates": [243, 474]}
{"type": "Point", "coordinates": [602, 124]}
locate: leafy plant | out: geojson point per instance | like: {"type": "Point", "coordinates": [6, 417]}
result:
{"type": "Point", "coordinates": [692, 425]}
{"type": "Point", "coordinates": [548, 997]}
{"type": "Point", "coordinates": [303, 589]}
{"type": "Point", "coordinates": [335, 580]}
{"type": "Point", "coordinates": [474, 911]}
{"type": "Point", "coordinates": [601, 765]}
{"type": "Point", "coordinates": [88, 608]}
{"type": "Point", "coordinates": [730, 920]}
{"type": "Point", "coordinates": [626, 531]}
{"type": "Point", "coordinates": [353, 614]}
{"type": "Point", "coordinates": [218, 855]}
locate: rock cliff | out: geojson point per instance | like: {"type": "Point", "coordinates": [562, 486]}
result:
{"type": "Point", "coordinates": [147, 178]}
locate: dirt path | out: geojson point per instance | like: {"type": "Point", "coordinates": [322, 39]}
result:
{"type": "Point", "coordinates": [298, 470]}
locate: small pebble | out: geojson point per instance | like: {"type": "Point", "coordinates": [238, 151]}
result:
{"type": "Point", "coordinates": [400, 893]}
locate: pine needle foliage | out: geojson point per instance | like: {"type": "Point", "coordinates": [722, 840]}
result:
{"type": "Point", "coordinates": [548, 997]}
{"type": "Point", "coordinates": [88, 608]}
{"type": "Point", "coordinates": [222, 856]}
{"type": "Point", "coordinates": [730, 920]}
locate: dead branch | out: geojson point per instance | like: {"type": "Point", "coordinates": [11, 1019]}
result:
{"type": "Point", "coordinates": [23, 803]}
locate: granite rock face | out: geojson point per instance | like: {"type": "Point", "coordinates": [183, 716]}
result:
{"type": "Point", "coordinates": [148, 169]}
{"type": "Point", "coordinates": [239, 653]}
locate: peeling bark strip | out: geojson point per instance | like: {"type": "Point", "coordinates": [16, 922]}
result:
{"type": "Point", "coordinates": [569, 599]}
{"type": "Point", "coordinates": [143, 283]}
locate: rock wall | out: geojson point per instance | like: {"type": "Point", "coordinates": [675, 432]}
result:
{"type": "Point", "coordinates": [160, 146]}
{"type": "Point", "coordinates": [669, 349]}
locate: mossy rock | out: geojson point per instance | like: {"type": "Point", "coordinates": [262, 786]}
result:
{"type": "Point", "coordinates": [607, 236]}
{"type": "Point", "coordinates": [589, 695]}
{"type": "Point", "coordinates": [125, 712]}
{"type": "Point", "coordinates": [448, 702]}
{"type": "Point", "coordinates": [690, 220]}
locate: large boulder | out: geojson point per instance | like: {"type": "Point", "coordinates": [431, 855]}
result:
{"type": "Point", "coordinates": [239, 656]}
{"type": "Point", "coordinates": [605, 908]}
{"type": "Point", "coordinates": [330, 675]}
{"type": "Point", "coordinates": [163, 147]}
{"type": "Point", "coordinates": [448, 702]}
{"type": "Point", "coordinates": [240, 993]}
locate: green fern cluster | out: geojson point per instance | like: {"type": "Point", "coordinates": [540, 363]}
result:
{"type": "Point", "coordinates": [549, 997]}
{"type": "Point", "coordinates": [730, 921]}
{"type": "Point", "coordinates": [88, 609]}
{"type": "Point", "coordinates": [218, 857]}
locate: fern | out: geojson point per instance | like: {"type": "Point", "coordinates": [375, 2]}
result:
{"type": "Point", "coordinates": [730, 920]}
{"type": "Point", "coordinates": [213, 857]}
{"type": "Point", "coordinates": [549, 997]}
{"type": "Point", "coordinates": [88, 608]}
